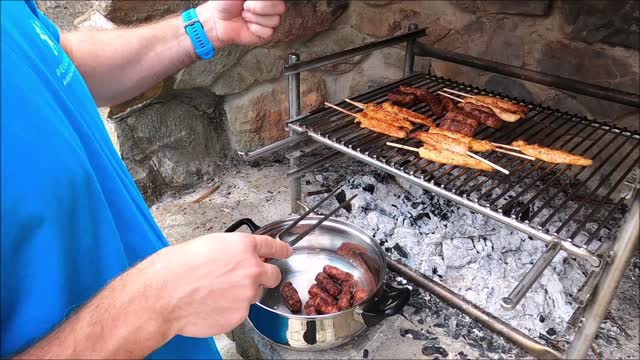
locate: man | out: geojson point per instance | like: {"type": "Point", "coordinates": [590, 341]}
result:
{"type": "Point", "coordinates": [85, 270]}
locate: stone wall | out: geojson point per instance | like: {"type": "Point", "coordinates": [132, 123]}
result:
{"type": "Point", "coordinates": [179, 132]}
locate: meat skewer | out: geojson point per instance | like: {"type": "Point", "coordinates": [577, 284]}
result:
{"type": "Point", "coordinates": [379, 113]}
{"type": "Point", "coordinates": [440, 140]}
{"type": "Point", "coordinates": [388, 107]}
{"type": "Point", "coordinates": [368, 122]}
{"type": "Point", "coordinates": [447, 102]}
{"type": "Point", "coordinates": [457, 126]}
{"type": "Point", "coordinates": [501, 113]}
{"type": "Point", "coordinates": [444, 156]}
{"type": "Point", "coordinates": [426, 96]}
{"type": "Point", "coordinates": [505, 105]}
{"type": "Point", "coordinates": [474, 144]}
{"type": "Point", "coordinates": [551, 155]}
{"type": "Point", "coordinates": [484, 114]}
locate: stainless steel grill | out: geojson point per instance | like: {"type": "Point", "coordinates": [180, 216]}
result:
{"type": "Point", "coordinates": [563, 205]}
{"type": "Point", "coordinates": [551, 202]}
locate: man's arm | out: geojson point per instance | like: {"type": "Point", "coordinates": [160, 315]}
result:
{"type": "Point", "coordinates": [120, 64]}
{"type": "Point", "coordinates": [125, 320]}
{"type": "Point", "coordinates": [199, 288]}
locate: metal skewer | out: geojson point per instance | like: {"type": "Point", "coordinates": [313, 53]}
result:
{"type": "Point", "coordinates": [306, 213]}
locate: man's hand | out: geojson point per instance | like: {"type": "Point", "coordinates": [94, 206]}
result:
{"type": "Point", "coordinates": [210, 281]}
{"type": "Point", "coordinates": [240, 22]}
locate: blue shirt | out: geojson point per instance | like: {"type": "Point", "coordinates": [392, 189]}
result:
{"type": "Point", "coordinates": [72, 216]}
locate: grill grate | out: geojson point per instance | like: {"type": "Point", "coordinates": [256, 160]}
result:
{"type": "Point", "coordinates": [552, 202]}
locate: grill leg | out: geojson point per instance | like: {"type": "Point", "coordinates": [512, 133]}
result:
{"type": "Point", "coordinates": [408, 53]}
{"type": "Point", "coordinates": [596, 310]}
{"type": "Point", "coordinates": [295, 184]}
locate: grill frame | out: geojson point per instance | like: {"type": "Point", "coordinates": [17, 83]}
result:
{"type": "Point", "coordinates": [596, 294]}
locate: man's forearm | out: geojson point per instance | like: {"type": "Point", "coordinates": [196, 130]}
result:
{"type": "Point", "coordinates": [125, 320]}
{"type": "Point", "coordinates": [120, 64]}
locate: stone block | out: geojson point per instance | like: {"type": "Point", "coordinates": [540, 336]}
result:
{"type": "Point", "coordinates": [204, 73]}
{"type": "Point", "coordinates": [256, 66]}
{"type": "Point", "coordinates": [528, 7]}
{"type": "Point", "coordinates": [343, 37]}
{"type": "Point", "coordinates": [173, 142]}
{"type": "Point", "coordinates": [257, 116]}
{"type": "Point", "coordinates": [306, 18]}
{"type": "Point", "coordinates": [131, 12]}
{"type": "Point", "coordinates": [63, 13]}
{"type": "Point", "coordinates": [614, 23]}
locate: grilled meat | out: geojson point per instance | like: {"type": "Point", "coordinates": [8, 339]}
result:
{"type": "Point", "coordinates": [337, 274]}
{"type": "Point", "coordinates": [483, 114]}
{"type": "Point", "coordinates": [504, 104]}
{"type": "Point", "coordinates": [290, 296]}
{"type": "Point", "coordinates": [402, 98]}
{"type": "Point", "coordinates": [551, 155]}
{"type": "Point", "coordinates": [474, 144]}
{"type": "Point", "coordinates": [324, 306]}
{"type": "Point", "coordinates": [369, 122]}
{"type": "Point", "coordinates": [344, 301]}
{"type": "Point", "coordinates": [309, 309]}
{"type": "Point", "coordinates": [327, 284]}
{"type": "Point", "coordinates": [426, 96]}
{"type": "Point", "coordinates": [447, 102]}
{"type": "Point", "coordinates": [377, 112]}
{"type": "Point", "coordinates": [444, 156]}
{"type": "Point", "coordinates": [442, 141]}
{"type": "Point", "coordinates": [407, 114]}
{"type": "Point", "coordinates": [458, 127]}
{"type": "Point", "coordinates": [500, 112]}
{"type": "Point", "coordinates": [316, 291]}
{"type": "Point", "coordinates": [458, 114]}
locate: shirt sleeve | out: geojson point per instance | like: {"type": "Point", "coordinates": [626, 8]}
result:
{"type": "Point", "coordinates": [46, 22]}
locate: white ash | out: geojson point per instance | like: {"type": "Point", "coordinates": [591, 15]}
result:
{"type": "Point", "coordinates": [473, 255]}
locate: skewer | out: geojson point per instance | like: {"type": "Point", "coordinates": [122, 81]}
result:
{"type": "Point", "coordinates": [449, 96]}
{"type": "Point", "coordinates": [340, 109]}
{"type": "Point", "coordinates": [358, 104]}
{"type": "Point", "coordinates": [468, 153]}
{"type": "Point", "coordinates": [457, 92]}
{"type": "Point", "coordinates": [488, 162]}
{"type": "Point", "coordinates": [514, 154]}
{"type": "Point", "coordinates": [507, 147]}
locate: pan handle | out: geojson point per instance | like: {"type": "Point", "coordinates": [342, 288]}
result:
{"type": "Point", "coordinates": [391, 302]}
{"type": "Point", "coordinates": [242, 222]}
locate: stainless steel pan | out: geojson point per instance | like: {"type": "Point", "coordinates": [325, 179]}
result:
{"type": "Point", "coordinates": [324, 245]}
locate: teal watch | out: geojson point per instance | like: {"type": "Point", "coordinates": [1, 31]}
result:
{"type": "Point", "coordinates": [201, 43]}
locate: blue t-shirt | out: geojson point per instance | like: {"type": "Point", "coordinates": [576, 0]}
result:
{"type": "Point", "coordinates": [72, 216]}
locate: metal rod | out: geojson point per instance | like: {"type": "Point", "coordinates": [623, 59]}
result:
{"type": "Point", "coordinates": [408, 52]}
{"type": "Point", "coordinates": [476, 313]}
{"type": "Point", "coordinates": [295, 184]}
{"type": "Point", "coordinates": [517, 294]}
{"type": "Point", "coordinates": [596, 310]}
{"type": "Point", "coordinates": [309, 211]}
{"type": "Point", "coordinates": [316, 164]}
{"type": "Point", "coordinates": [559, 82]}
{"type": "Point", "coordinates": [349, 53]}
{"type": "Point", "coordinates": [271, 148]}
{"type": "Point", "coordinates": [302, 235]}
{"type": "Point", "coordinates": [583, 294]}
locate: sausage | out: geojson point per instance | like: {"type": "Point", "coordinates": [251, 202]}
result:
{"type": "Point", "coordinates": [344, 302]}
{"type": "Point", "coordinates": [457, 126]}
{"type": "Point", "coordinates": [327, 284]}
{"type": "Point", "coordinates": [359, 295]}
{"type": "Point", "coordinates": [337, 274]}
{"type": "Point", "coordinates": [447, 102]}
{"type": "Point", "coordinates": [316, 291]}
{"type": "Point", "coordinates": [323, 306]}
{"type": "Point", "coordinates": [426, 96]}
{"type": "Point", "coordinates": [484, 114]}
{"type": "Point", "coordinates": [463, 116]}
{"type": "Point", "coordinates": [290, 296]}
{"type": "Point", "coordinates": [309, 308]}
{"type": "Point", "coordinates": [402, 98]}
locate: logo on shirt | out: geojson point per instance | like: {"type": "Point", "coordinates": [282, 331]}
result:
{"type": "Point", "coordinates": [43, 35]}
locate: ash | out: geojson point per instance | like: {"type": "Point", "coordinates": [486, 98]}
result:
{"type": "Point", "coordinates": [471, 254]}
